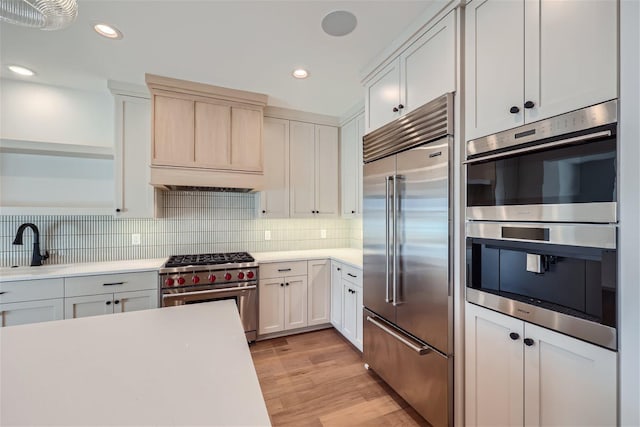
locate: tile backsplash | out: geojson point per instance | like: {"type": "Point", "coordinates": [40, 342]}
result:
{"type": "Point", "coordinates": [191, 222]}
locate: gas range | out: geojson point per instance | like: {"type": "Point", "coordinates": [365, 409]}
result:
{"type": "Point", "coordinates": [199, 269]}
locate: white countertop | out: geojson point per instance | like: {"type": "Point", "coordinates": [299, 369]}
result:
{"type": "Point", "coordinates": [80, 269]}
{"type": "Point", "coordinates": [187, 365]}
{"type": "Point", "coordinates": [344, 255]}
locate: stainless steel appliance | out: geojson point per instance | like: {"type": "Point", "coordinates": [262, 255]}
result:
{"type": "Point", "coordinates": [408, 328]}
{"type": "Point", "coordinates": [562, 169]}
{"type": "Point", "coordinates": [190, 279]}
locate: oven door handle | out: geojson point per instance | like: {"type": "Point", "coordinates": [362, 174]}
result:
{"type": "Point", "coordinates": [541, 146]}
{"type": "Point", "coordinates": [210, 292]}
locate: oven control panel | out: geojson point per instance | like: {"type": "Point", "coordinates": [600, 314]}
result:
{"type": "Point", "coordinates": [186, 278]}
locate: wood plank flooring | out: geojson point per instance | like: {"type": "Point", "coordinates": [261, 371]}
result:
{"type": "Point", "coordinates": [318, 379]}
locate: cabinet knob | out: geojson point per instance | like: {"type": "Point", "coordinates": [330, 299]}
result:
{"type": "Point", "coordinates": [108, 302]}
{"type": "Point", "coordinates": [338, 268]}
{"type": "Point", "coordinates": [353, 212]}
{"type": "Point", "coordinates": [264, 211]}
{"type": "Point", "coordinates": [528, 342]}
{"type": "Point", "coordinates": [514, 336]}
{"type": "Point", "coordinates": [281, 285]}
{"type": "Point", "coordinates": [400, 106]}
{"type": "Point", "coordinates": [286, 284]}
{"type": "Point", "coordinates": [117, 301]}
{"type": "Point", "coordinates": [514, 110]}
{"type": "Point", "coordinates": [395, 109]}
{"type": "Point", "coordinates": [529, 104]}
{"type": "Point", "coordinates": [118, 210]}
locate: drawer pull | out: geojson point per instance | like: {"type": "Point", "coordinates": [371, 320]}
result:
{"type": "Point", "coordinates": [284, 269]}
{"type": "Point", "coordinates": [113, 284]}
{"type": "Point", "coordinates": [352, 275]}
{"type": "Point", "coordinates": [3, 292]}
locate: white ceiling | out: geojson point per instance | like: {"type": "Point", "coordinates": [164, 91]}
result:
{"type": "Point", "coordinates": [250, 45]}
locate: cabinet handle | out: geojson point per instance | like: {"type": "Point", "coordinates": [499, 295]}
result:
{"type": "Point", "coordinates": [349, 274]}
{"type": "Point", "coordinates": [400, 106]}
{"type": "Point", "coordinates": [514, 336]}
{"type": "Point", "coordinates": [113, 284]}
{"type": "Point", "coordinates": [514, 110]}
{"type": "Point", "coordinates": [117, 301]}
{"type": "Point", "coordinates": [4, 292]}
{"type": "Point", "coordinates": [528, 342]}
{"type": "Point", "coordinates": [395, 109]}
{"type": "Point", "coordinates": [529, 104]}
{"type": "Point", "coordinates": [284, 269]}
{"type": "Point", "coordinates": [108, 303]}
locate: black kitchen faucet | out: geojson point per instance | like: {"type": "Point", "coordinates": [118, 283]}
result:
{"type": "Point", "coordinates": [36, 258]}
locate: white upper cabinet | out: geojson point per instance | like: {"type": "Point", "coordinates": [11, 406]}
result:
{"type": "Point", "coordinates": [313, 170]}
{"type": "Point", "coordinates": [351, 166]}
{"type": "Point", "coordinates": [422, 72]}
{"type": "Point", "coordinates": [527, 60]}
{"type": "Point", "coordinates": [274, 199]}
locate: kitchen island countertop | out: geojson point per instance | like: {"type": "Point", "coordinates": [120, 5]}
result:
{"type": "Point", "coordinates": [187, 365]}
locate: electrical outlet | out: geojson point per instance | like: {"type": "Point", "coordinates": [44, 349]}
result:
{"type": "Point", "coordinates": [267, 235]}
{"type": "Point", "coordinates": [135, 239]}
{"type": "Point", "coordinates": [323, 234]}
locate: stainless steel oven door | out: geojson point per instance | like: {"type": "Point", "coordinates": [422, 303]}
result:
{"type": "Point", "coordinates": [245, 296]}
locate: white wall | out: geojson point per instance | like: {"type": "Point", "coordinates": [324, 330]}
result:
{"type": "Point", "coordinates": [36, 112]}
{"type": "Point", "coordinates": [629, 242]}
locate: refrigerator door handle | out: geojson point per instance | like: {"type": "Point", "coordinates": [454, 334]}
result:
{"type": "Point", "coordinates": [386, 237]}
{"type": "Point", "coordinates": [395, 208]}
{"type": "Point", "coordinates": [421, 350]}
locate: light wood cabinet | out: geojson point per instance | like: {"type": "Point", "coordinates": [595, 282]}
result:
{"type": "Point", "coordinates": [549, 63]}
{"type": "Point", "coordinates": [319, 292]}
{"type": "Point", "coordinates": [351, 166]}
{"type": "Point", "coordinates": [423, 71]}
{"type": "Point", "coordinates": [521, 374]}
{"type": "Point", "coordinates": [212, 135]}
{"type": "Point", "coordinates": [313, 170]}
{"type": "Point", "coordinates": [173, 131]}
{"type": "Point", "coordinates": [274, 199]}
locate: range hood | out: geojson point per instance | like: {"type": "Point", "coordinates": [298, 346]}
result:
{"type": "Point", "coordinates": [193, 179]}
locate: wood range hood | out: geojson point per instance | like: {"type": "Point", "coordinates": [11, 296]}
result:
{"type": "Point", "coordinates": [205, 137]}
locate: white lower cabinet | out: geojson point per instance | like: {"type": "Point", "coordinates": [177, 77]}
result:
{"type": "Point", "coordinates": [347, 283]}
{"type": "Point", "coordinates": [31, 301]}
{"type": "Point", "coordinates": [521, 374]}
{"type": "Point", "coordinates": [319, 292]}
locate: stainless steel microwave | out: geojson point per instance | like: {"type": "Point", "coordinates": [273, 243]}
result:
{"type": "Point", "coordinates": [562, 169]}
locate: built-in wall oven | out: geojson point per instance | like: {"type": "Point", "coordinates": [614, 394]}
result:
{"type": "Point", "coordinates": [541, 223]}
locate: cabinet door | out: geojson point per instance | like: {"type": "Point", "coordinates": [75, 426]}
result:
{"type": "Point", "coordinates": [428, 66]}
{"type": "Point", "coordinates": [134, 301]}
{"type": "Point", "coordinates": [359, 317]}
{"type": "Point", "coordinates": [271, 306]}
{"type": "Point", "coordinates": [349, 168]}
{"type": "Point", "coordinates": [173, 131]}
{"type": "Point", "coordinates": [568, 381]}
{"type": "Point", "coordinates": [302, 169]}
{"type": "Point", "coordinates": [133, 193]}
{"type": "Point", "coordinates": [382, 96]}
{"type": "Point", "coordinates": [212, 135]}
{"type": "Point", "coordinates": [349, 310]}
{"type": "Point", "coordinates": [319, 292]}
{"type": "Point", "coordinates": [295, 302]}
{"type": "Point", "coordinates": [246, 139]}
{"type": "Point", "coordinates": [90, 305]}
{"type": "Point", "coordinates": [20, 313]}
{"type": "Point", "coordinates": [336, 295]}
{"type": "Point", "coordinates": [493, 368]}
{"type": "Point", "coordinates": [494, 66]}
{"type": "Point", "coordinates": [326, 171]}
{"type": "Point", "coordinates": [360, 176]}
{"type": "Point", "coordinates": [571, 55]}
{"type": "Point", "coordinates": [274, 200]}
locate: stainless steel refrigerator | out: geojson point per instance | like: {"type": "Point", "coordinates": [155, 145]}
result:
{"type": "Point", "coordinates": [407, 214]}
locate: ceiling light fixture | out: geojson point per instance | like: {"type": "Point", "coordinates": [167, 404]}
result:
{"type": "Point", "coordinates": [43, 14]}
{"type": "Point", "coordinates": [107, 31]}
{"type": "Point", "coordinates": [339, 23]}
{"type": "Point", "coordinates": [300, 73]}
{"type": "Point", "coordinates": [21, 70]}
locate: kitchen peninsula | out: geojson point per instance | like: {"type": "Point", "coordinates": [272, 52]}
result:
{"type": "Point", "coordinates": [186, 365]}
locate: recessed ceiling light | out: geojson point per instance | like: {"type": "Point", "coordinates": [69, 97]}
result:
{"type": "Point", "coordinates": [339, 23]}
{"type": "Point", "coordinates": [300, 73]}
{"type": "Point", "coordinates": [21, 70]}
{"type": "Point", "coordinates": [107, 31]}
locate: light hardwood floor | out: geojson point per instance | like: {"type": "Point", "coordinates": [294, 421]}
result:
{"type": "Point", "coordinates": [318, 379]}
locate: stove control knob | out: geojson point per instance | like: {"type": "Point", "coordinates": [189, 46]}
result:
{"type": "Point", "coordinates": [195, 279]}
{"type": "Point", "coordinates": [212, 278]}
{"type": "Point", "coordinates": [241, 275]}
{"type": "Point", "coordinates": [169, 281]}
{"type": "Point", "coordinates": [180, 280]}
{"type": "Point", "coordinates": [250, 275]}
{"type": "Point", "coordinates": [227, 276]}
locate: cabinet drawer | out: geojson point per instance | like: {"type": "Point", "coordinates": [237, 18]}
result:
{"type": "Point", "coordinates": [279, 269]}
{"type": "Point", "coordinates": [31, 290]}
{"type": "Point", "coordinates": [110, 283]}
{"type": "Point", "coordinates": [352, 274]}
